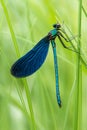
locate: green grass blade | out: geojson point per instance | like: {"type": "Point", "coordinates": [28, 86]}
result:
{"type": "Point", "coordinates": [84, 11]}
{"type": "Point", "coordinates": [11, 29]}
{"type": "Point", "coordinates": [82, 56]}
{"type": "Point", "coordinates": [68, 103]}
{"type": "Point", "coordinates": [18, 54]}
{"type": "Point", "coordinates": [28, 95]}
{"type": "Point", "coordinates": [78, 107]}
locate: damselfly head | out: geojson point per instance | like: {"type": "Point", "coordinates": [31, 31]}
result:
{"type": "Point", "coordinates": [57, 26]}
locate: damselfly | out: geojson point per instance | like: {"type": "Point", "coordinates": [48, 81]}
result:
{"type": "Point", "coordinates": [33, 60]}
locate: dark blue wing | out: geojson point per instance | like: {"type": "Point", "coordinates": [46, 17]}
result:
{"type": "Point", "coordinates": [31, 61]}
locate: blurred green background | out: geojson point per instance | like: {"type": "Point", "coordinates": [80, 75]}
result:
{"type": "Point", "coordinates": [32, 20]}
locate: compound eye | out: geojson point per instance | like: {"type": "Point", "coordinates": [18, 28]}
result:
{"type": "Point", "coordinates": [57, 26]}
{"type": "Point", "coordinates": [54, 25]}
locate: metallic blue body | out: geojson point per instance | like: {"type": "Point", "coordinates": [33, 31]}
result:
{"type": "Point", "coordinates": [56, 72]}
{"type": "Point", "coordinates": [33, 60]}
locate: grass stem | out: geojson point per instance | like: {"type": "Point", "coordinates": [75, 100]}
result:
{"type": "Point", "coordinates": [78, 106]}
{"type": "Point", "coordinates": [27, 91]}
